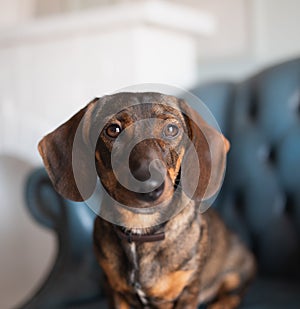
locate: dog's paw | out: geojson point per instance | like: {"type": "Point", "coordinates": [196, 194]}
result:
{"type": "Point", "coordinates": [227, 302]}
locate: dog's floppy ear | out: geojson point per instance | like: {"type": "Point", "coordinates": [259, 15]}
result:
{"type": "Point", "coordinates": [203, 179]}
{"type": "Point", "coordinates": [56, 150]}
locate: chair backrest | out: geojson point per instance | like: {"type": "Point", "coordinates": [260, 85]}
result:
{"type": "Point", "coordinates": [261, 192]}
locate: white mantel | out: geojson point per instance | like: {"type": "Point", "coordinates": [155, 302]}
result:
{"type": "Point", "coordinates": [50, 67]}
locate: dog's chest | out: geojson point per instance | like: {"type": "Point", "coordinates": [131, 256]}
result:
{"type": "Point", "coordinates": [135, 275]}
{"type": "Point", "coordinates": [145, 265]}
{"type": "Point", "coordinates": [152, 279]}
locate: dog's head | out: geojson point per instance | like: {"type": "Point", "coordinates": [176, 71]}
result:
{"type": "Point", "coordinates": [141, 145]}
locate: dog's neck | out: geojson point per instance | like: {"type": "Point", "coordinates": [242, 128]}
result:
{"type": "Point", "coordinates": [139, 238]}
{"type": "Point", "coordinates": [157, 233]}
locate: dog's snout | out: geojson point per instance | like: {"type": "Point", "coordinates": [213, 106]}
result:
{"type": "Point", "coordinates": [149, 170]}
{"type": "Point", "coordinates": [151, 176]}
{"type": "Point", "coordinates": [145, 160]}
{"type": "Point", "coordinates": [140, 169]}
{"type": "Point", "coordinates": [153, 194]}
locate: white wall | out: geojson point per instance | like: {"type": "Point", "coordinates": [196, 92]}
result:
{"type": "Point", "coordinates": [272, 32]}
{"type": "Point", "coordinates": [277, 29]}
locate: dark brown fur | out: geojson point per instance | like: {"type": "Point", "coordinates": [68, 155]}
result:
{"type": "Point", "coordinates": [199, 260]}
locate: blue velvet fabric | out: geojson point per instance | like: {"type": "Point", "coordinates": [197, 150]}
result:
{"type": "Point", "coordinates": [260, 198]}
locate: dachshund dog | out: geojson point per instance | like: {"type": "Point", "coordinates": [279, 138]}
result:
{"type": "Point", "coordinates": [158, 163]}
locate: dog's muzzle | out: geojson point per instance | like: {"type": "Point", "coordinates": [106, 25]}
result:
{"type": "Point", "coordinates": [151, 177]}
{"type": "Point", "coordinates": [155, 191]}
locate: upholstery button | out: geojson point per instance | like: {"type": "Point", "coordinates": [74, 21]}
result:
{"type": "Point", "coordinates": [253, 108]}
{"type": "Point", "coordinates": [289, 204]}
{"type": "Point", "coordinates": [267, 154]}
{"type": "Point", "coordinates": [294, 102]}
{"type": "Point", "coordinates": [272, 155]}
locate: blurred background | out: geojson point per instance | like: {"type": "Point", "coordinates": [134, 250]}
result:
{"type": "Point", "coordinates": [57, 55]}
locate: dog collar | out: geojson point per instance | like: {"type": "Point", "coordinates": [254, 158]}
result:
{"type": "Point", "coordinates": [139, 238]}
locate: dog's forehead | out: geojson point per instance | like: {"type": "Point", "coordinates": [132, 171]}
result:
{"type": "Point", "coordinates": [147, 110]}
{"type": "Point", "coordinates": [138, 106]}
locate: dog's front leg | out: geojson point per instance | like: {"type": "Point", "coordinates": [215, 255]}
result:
{"type": "Point", "coordinates": [188, 299]}
{"type": "Point", "coordinates": [116, 301]}
{"type": "Point", "coordinates": [226, 302]}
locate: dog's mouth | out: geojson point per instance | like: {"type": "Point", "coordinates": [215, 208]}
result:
{"type": "Point", "coordinates": [152, 195]}
{"type": "Point", "coordinates": [155, 194]}
{"type": "Point", "coordinates": [153, 232]}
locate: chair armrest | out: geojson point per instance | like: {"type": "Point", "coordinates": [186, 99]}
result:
{"type": "Point", "coordinates": [75, 277]}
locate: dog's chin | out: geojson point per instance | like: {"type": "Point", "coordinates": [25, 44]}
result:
{"type": "Point", "coordinates": [143, 203]}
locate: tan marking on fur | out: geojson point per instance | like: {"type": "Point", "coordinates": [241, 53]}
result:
{"type": "Point", "coordinates": [170, 286]}
{"type": "Point", "coordinates": [97, 154]}
{"type": "Point", "coordinates": [227, 302]}
{"type": "Point", "coordinates": [121, 303]}
{"type": "Point", "coordinates": [225, 284]}
{"type": "Point", "coordinates": [124, 305]}
{"type": "Point", "coordinates": [227, 144]}
{"type": "Point", "coordinates": [173, 171]}
{"type": "Point", "coordinates": [231, 282]}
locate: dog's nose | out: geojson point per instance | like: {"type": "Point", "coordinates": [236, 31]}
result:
{"type": "Point", "coordinates": [140, 170]}
{"type": "Point", "coordinates": [151, 177]}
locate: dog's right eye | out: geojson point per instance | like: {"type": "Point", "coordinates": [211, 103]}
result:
{"type": "Point", "coordinates": [113, 130]}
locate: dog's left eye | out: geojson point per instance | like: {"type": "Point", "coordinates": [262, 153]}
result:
{"type": "Point", "coordinates": [170, 131]}
{"type": "Point", "coordinates": [113, 130]}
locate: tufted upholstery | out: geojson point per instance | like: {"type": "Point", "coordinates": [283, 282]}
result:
{"type": "Point", "coordinates": [260, 198]}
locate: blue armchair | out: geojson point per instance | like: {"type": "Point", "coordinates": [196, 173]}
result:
{"type": "Point", "coordinates": [260, 198]}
